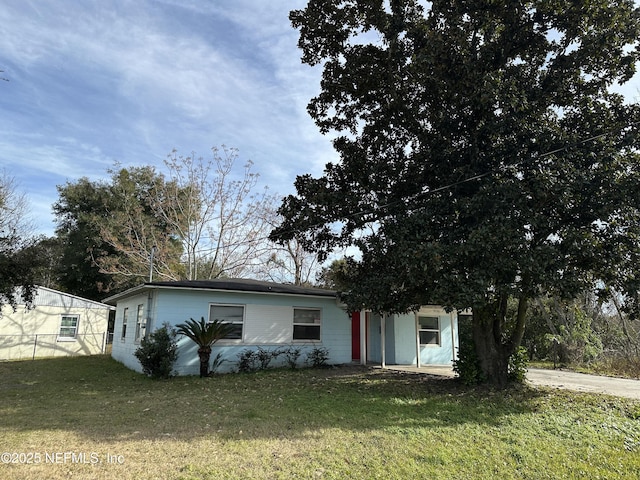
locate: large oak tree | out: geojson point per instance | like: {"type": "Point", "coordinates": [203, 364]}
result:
{"type": "Point", "coordinates": [483, 156]}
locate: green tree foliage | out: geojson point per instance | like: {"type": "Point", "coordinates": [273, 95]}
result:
{"type": "Point", "coordinates": [51, 269]}
{"type": "Point", "coordinates": [158, 353]}
{"type": "Point", "coordinates": [204, 334]}
{"type": "Point", "coordinates": [335, 276]}
{"type": "Point", "coordinates": [20, 258]}
{"type": "Point", "coordinates": [202, 220]}
{"type": "Point", "coordinates": [565, 331]}
{"type": "Point", "coordinates": [108, 230]}
{"type": "Point", "coordinates": [19, 262]}
{"type": "Point", "coordinates": [482, 155]}
{"type": "Point", "coordinates": [77, 211]}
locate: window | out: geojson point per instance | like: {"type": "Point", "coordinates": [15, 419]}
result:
{"type": "Point", "coordinates": [429, 330]}
{"type": "Point", "coordinates": [230, 314]}
{"type": "Point", "coordinates": [125, 316]}
{"type": "Point", "coordinates": [69, 326]}
{"type": "Point", "coordinates": [306, 324]}
{"type": "Point", "coordinates": [140, 322]}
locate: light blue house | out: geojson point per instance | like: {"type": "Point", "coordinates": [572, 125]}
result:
{"type": "Point", "coordinates": [273, 316]}
{"type": "Point", "coordinates": [426, 337]}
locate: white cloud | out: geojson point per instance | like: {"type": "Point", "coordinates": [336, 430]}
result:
{"type": "Point", "coordinates": [136, 79]}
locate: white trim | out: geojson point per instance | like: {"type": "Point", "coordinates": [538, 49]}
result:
{"type": "Point", "coordinates": [383, 339]}
{"type": "Point", "coordinates": [417, 329]}
{"type": "Point", "coordinates": [422, 313]}
{"type": "Point", "coordinates": [293, 324]}
{"type": "Point", "coordinates": [123, 330]}
{"type": "Point", "coordinates": [63, 338]}
{"type": "Point", "coordinates": [140, 321]}
{"type": "Point", "coordinates": [453, 337]}
{"type": "Point", "coordinates": [231, 341]}
{"type": "Point", "coordinates": [141, 288]}
{"type": "Point", "coordinates": [363, 337]}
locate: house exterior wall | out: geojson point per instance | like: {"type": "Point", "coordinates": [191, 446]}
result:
{"type": "Point", "coordinates": [447, 351]}
{"type": "Point", "coordinates": [405, 346]}
{"type": "Point", "coordinates": [33, 333]}
{"type": "Point", "coordinates": [374, 345]}
{"type": "Point", "coordinates": [268, 323]}
{"type": "Point", "coordinates": [401, 339]}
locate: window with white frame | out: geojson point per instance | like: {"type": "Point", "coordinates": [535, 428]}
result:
{"type": "Point", "coordinates": [232, 315]}
{"type": "Point", "coordinates": [140, 322]}
{"type": "Point", "coordinates": [125, 317]}
{"type": "Point", "coordinates": [68, 326]}
{"type": "Point", "coordinates": [306, 324]}
{"type": "Point", "coordinates": [429, 330]}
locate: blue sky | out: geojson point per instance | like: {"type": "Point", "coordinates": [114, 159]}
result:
{"type": "Point", "coordinates": [92, 83]}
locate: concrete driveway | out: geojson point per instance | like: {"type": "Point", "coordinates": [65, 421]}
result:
{"type": "Point", "coordinates": [580, 382]}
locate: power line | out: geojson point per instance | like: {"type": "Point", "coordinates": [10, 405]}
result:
{"type": "Point", "coordinates": [453, 184]}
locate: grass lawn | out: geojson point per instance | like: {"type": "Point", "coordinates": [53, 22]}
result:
{"type": "Point", "coordinates": [89, 417]}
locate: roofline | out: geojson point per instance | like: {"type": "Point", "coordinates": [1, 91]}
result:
{"type": "Point", "coordinates": [76, 297]}
{"type": "Point", "coordinates": [321, 293]}
{"type": "Point", "coordinates": [127, 293]}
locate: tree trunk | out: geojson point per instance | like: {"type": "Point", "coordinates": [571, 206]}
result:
{"type": "Point", "coordinates": [493, 355]}
{"type": "Point", "coordinates": [205, 355]}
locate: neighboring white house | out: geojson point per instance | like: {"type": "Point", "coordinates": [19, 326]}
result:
{"type": "Point", "coordinates": [59, 324]}
{"type": "Point", "coordinates": [271, 316]}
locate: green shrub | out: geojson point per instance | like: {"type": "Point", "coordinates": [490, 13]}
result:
{"type": "Point", "coordinates": [265, 356]}
{"type": "Point", "coordinates": [247, 361]}
{"type": "Point", "coordinates": [158, 353]}
{"type": "Point", "coordinates": [318, 357]}
{"type": "Point", "coordinates": [217, 361]}
{"type": "Point", "coordinates": [517, 368]}
{"type": "Point", "coordinates": [467, 365]}
{"type": "Point", "coordinates": [292, 354]}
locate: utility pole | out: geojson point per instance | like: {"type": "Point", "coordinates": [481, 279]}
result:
{"type": "Point", "coordinates": [153, 250]}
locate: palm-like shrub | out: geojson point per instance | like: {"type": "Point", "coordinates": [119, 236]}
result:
{"type": "Point", "coordinates": [204, 334]}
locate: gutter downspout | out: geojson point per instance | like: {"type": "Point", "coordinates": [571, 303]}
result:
{"type": "Point", "coordinates": [147, 327]}
{"type": "Point", "coordinates": [153, 251]}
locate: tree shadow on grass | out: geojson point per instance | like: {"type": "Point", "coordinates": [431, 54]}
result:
{"type": "Point", "coordinates": [101, 400]}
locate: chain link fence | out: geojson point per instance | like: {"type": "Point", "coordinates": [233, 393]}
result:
{"type": "Point", "coordinates": [15, 347]}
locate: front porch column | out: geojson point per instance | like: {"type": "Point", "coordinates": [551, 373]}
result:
{"type": "Point", "coordinates": [417, 327]}
{"type": "Point", "coordinates": [453, 335]}
{"type": "Point", "coordinates": [363, 337]}
{"type": "Point", "coordinates": [383, 339]}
